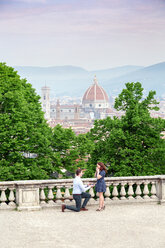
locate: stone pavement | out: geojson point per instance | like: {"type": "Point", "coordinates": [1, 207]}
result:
{"type": "Point", "coordinates": [119, 226]}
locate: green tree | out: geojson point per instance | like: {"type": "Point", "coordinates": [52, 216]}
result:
{"type": "Point", "coordinates": [69, 151]}
{"type": "Point", "coordinates": [25, 137]}
{"type": "Point", "coordinates": [133, 145]}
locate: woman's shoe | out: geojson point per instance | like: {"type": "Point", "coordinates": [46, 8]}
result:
{"type": "Point", "coordinates": [103, 208]}
{"type": "Point", "coordinates": [99, 209]}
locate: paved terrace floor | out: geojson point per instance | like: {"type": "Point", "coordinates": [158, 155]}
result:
{"type": "Point", "coordinates": [126, 226]}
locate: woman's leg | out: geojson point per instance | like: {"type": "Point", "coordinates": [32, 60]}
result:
{"type": "Point", "coordinates": [100, 199]}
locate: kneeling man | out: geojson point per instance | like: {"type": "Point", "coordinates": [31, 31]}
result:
{"type": "Point", "coordinates": [79, 193]}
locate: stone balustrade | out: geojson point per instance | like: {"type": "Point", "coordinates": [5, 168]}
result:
{"type": "Point", "coordinates": [38, 194]}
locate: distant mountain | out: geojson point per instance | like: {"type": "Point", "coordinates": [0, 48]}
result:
{"type": "Point", "coordinates": [63, 80]}
{"type": "Point", "coordinates": [151, 77]}
{"type": "Point", "coordinates": [73, 81]}
{"type": "Point", "coordinates": [116, 72]}
{"type": "Point", "coordinates": [58, 71]}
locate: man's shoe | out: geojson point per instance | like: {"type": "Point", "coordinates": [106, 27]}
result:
{"type": "Point", "coordinates": [63, 207]}
{"type": "Point", "coordinates": [83, 209]}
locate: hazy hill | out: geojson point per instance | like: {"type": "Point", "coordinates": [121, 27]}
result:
{"type": "Point", "coordinates": [116, 72]}
{"type": "Point", "coordinates": [151, 77]}
{"type": "Point", "coordinates": [73, 81]}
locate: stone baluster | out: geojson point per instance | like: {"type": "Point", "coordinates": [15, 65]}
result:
{"type": "Point", "coordinates": [58, 194]}
{"type": "Point", "coordinates": [42, 197]}
{"type": "Point", "coordinates": [138, 191]}
{"type": "Point", "coordinates": [11, 198]}
{"type": "Point", "coordinates": [123, 192]}
{"type": "Point", "coordinates": [153, 190]}
{"type": "Point", "coordinates": [92, 200]}
{"type": "Point", "coordinates": [3, 199]}
{"type": "Point", "coordinates": [71, 195]}
{"type": "Point", "coordinates": [67, 194]}
{"type": "Point", "coordinates": [97, 196]}
{"type": "Point", "coordinates": [115, 192]}
{"type": "Point", "coordinates": [130, 191]}
{"type": "Point", "coordinates": [50, 195]}
{"type": "Point", "coordinates": [107, 193]}
{"type": "Point", "coordinates": [28, 195]}
{"type": "Point", "coordinates": [146, 191]}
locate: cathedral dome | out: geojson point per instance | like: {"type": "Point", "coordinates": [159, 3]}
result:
{"type": "Point", "coordinates": [95, 93]}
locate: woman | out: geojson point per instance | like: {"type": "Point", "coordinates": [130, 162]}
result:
{"type": "Point", "coordinates": [100, 185]}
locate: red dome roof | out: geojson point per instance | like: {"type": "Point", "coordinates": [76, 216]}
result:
{"type": "Point", "coordinates": [95, 93]}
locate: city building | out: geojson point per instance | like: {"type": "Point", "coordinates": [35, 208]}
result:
{"type": "Point", "coordinates": [80, 116]}
{"type": "Point", "coordinates": [96, 101]}
{"type": "Point", "coordinates": [45, 98]}
{"type": "Point", "coordinates": [95, 105]}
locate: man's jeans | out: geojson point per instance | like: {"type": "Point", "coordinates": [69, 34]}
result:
{"type": "Point", "coordinates": [77, 199]}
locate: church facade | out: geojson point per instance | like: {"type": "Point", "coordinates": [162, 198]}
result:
{"type": "Point", "coordinates": [96, 101]}
{"type": "Point", "coordinates": [95, 105]}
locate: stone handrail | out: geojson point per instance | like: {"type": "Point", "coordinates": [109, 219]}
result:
{"type": "Point", "coordinates": [37, 194]}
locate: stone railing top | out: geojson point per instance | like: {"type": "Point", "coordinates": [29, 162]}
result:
{"type": "Point", "coordinates": [70, 181]}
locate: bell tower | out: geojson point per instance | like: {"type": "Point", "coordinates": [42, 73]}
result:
{"type": "Point", "coordinates": [46, 101]}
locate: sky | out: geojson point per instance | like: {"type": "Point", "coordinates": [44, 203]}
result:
{"type": "Point", "coordinates": [93, 34]}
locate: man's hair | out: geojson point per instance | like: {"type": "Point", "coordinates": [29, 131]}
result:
{"type": "Point", "coordinates": [78, 171]}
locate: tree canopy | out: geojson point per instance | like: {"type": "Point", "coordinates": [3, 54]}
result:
{"type": "Point", "coordinates": [25, 137]}
{"type": "Point", "coordinates": [132, 145]}
{"type": "Point", "coordinates": [69, 151]}
{"type": "Point", "coordinates": [30, 149]}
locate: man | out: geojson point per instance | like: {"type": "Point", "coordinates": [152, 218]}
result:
{"type": "Point", "coordinates": [79, 193]}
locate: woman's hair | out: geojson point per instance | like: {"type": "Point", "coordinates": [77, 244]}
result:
{"type": "Point", "coordinates": [102, 166]}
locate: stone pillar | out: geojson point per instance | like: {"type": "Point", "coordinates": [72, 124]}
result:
{"type": "Point", "coordinates": [130, 191]}
{"type": "Point", "coordinates": [123, 192]}
{"type": "Point", "coordinates": [107, 193]}
{"type": "Point", "coordinates": [3, 198]}
{"type": "Point", "coordinates": [138, 191]}
{"type": "Point", "coordinates": [27, 196]}
{"type": "Point", "coordinates": [67, 194]}
{"type": "Point", "coordinates": [153, 190]}
{"type": "Point", "coordinates": [11, 198]}
{"type": "Point", "coordinates": [161, 189]}
{"type": "Point", "coordinates": [146, 191]}
{"type": "Point", "coordinates": [92, 200]}
{"type": "Point", "coordinates": [115, 192]}
{"type": "Point", "coordinates": [42, 197]}
{"type": "Point", "coordinates": [58, 194]}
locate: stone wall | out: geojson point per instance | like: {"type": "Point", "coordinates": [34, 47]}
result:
{"type": "Point", "coordinates": [38, 194]}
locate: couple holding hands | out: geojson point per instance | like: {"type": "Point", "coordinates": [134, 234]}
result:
{"type": "Point", "coordinates": [79, 189]}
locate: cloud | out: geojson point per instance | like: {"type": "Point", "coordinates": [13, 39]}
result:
{"type": "Point", "coordinates": [101, 22]}
{"type": "Point", "coordinates": [25, 1]}
{"type": "Point", "coordinates": [33, 1]}
{"type": "Point", "coordinates": [62, 29]}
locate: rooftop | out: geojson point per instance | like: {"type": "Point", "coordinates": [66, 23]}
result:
{"type": "Point", "coordinates": [95, 93]}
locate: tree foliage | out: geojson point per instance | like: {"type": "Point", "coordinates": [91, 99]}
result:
{"type": "Point", "coordinates": [69, 151]}
{"type": "Point", "coordinates": [133, 144]}
{"type": "Point", "coordinates": [30, 149]}
{"type": "Point", "coordinates": [25, 138]}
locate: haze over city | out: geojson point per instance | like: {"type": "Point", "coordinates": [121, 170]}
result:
{"type": "Point", "coordinates": [91, 34]}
